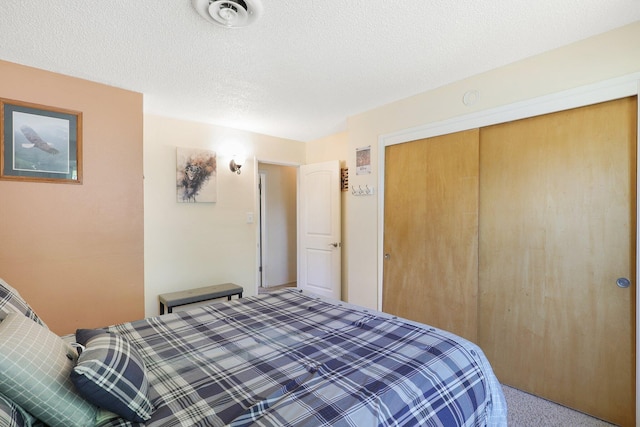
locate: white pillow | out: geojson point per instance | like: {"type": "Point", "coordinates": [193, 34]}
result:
{"type": "Point", "coordinates": [35, 367]}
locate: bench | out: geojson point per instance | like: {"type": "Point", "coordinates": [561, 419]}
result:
{"type": "Point", "coordinates": [190, 296]}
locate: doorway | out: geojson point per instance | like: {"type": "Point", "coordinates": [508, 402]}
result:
{"type": "Point", "coordinates": [277, 226]}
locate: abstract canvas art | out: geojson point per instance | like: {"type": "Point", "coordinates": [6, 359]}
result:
{"type": "Point", "coordinates": [196, 177]}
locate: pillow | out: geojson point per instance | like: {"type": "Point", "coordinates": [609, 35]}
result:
{"type": "Point", "coordinates": [84, 335]}
{"type": "Point", "coordinates": [110, 374]}
{"type": "Point", "coordinates": [35, 365]}
{"type": "Point", "coordinates": [12, 302]}
{"type": "Point", "coordinates": [11, 415]}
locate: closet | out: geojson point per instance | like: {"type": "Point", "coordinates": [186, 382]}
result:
{"type": "Point", "coordinates": [431, 232]}
{"type": "Point", "coordinates": [515, 236]}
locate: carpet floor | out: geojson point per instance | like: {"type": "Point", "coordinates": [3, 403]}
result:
{"type": "Point", "coordinates": [526, 410]}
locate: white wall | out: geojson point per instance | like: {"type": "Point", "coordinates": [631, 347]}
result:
{"type": "Point", "coordinates": [192, 245]}
{"type": "Point", "coordinates": [606, 56]}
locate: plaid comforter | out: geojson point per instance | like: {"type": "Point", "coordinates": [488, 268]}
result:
{"type": "Point", "coordinates": [290, 359]}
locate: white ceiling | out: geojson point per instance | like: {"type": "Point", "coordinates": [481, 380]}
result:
{"type": "Point", "coordinates": [305, 65]}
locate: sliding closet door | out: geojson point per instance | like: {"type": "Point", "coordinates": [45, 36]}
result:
{"type": "Point", "coordinates": [557, 229]}
{"type": "Point", "coordinates": [431, 232]}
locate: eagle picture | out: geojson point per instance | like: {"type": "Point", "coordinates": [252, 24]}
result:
{"type": "Point", "coordinates": [35, 140]}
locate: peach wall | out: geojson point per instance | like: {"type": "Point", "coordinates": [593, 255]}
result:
{"type": "Point", "coordinates": [75, 252]}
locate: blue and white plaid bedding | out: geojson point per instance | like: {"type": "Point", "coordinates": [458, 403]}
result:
{"type": "Point", "coordinates": [290, 359]}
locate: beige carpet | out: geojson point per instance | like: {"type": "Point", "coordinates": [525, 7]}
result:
{"type": "Point", "coordinates": [526, 410]}
{"type": "Point", "coordinates": [262, 290]}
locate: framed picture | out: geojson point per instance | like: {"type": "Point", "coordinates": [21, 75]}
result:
{"type": "Point", "coordinates": [196, 175]}
{"type": "Point", "coordinates": [363, 160]}
{"type": "Point", "coordinates": [40, 143]}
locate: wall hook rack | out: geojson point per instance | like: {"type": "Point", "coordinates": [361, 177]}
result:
{"type": "Point", "coordinates": [359, 191]}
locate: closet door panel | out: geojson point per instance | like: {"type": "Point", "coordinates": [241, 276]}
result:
{"type": "Point", "coordinates": [557, 228]}
{"type": "Point", "coordinates": [431, 232]}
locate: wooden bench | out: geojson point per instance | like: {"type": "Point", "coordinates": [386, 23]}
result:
{"type": "Point", "coordinates": [190, 296]}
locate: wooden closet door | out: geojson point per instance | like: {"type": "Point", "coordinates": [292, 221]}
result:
{"type": "Point", "coordinates": [557, 228]}
{"type": "Point", "coordinates": [431, 232]}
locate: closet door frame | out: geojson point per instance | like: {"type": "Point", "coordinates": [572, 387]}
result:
{"type": "Point", "coordinates": [603, 91]}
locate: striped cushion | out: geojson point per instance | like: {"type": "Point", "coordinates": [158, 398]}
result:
{"type": "Point", "coordinates": [11, 415]}
{"type": "Point", "coordinates": [35, 365]}
{"type": "Point", "coordinates": [12, 302]}
{"type": "Point", "coordinates": [110, 374]}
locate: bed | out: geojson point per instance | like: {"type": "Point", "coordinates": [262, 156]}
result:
{"type": "Point", "coordinates": [285, 358]}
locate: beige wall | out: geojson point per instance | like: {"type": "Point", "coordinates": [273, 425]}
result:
{"type": "Point", "coordinates": [192, 245]}
{"type": "Point", "coordinates": [75, 252]}
{"type": "Point", "coordinates": [609, 55]}
{"type": "Point", "coordinates": [333, 147]}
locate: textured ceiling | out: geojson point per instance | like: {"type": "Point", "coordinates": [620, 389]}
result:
{"type": "Point", "coordinates": [305, 65]}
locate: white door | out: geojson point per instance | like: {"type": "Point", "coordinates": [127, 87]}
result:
{"type": "Point", "coordinates": [319, 229]}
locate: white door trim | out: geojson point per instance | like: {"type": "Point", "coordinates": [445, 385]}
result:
{"type": "Point", "coordinates": [603, 91]}
{"type": "Point", "coordinates": [262, 235]}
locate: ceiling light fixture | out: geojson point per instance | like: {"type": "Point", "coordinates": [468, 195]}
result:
{"type": "Point", "coordinates": [229, 13]}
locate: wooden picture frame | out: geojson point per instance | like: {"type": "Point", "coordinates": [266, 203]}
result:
{"type": "Point", "coordinates": [40, 143]}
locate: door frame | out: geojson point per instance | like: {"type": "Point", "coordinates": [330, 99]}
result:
{"type": "Point", "coordinates": [262, 225]}
{"type": "Point", "coordinates": [606, 90]}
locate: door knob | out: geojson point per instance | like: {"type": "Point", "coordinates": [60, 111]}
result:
{"type": "Point", "coordinates": [335, 244]}
{"type": "Point", "coordinates": [387, 256]}
{"type": "Point", "coordinates": [623, 282]}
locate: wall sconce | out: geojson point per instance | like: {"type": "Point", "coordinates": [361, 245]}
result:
{"type": "Point", "coordinates": [235, 164]}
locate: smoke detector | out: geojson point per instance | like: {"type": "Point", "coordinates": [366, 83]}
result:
{"type": "Point", "coordinates": [229, 13]}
